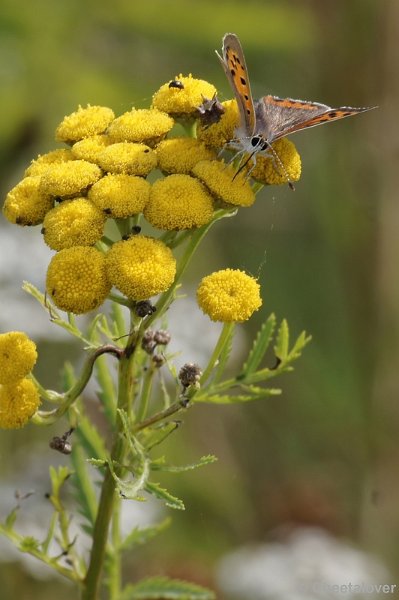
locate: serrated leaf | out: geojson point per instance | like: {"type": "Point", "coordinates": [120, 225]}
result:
{"type": "Point", "coordinates": [163, 588]}
{"type": "Point", "coordinates": [139, 536]}
{"type": "Point", "coordinates": [11, 518]}
{"type": "Point", "coordinates": [260, 346]}
{"type": "Point", "coordinates": [300, 343]}
{"type": "Point", "coordinates": [162, 494]}
{"type": "Point", "coordinates": [235, 399]}
{"type": "Point", "coordinates": [282, 341]}
{"type": "Point", "coordinates": [204, 460]}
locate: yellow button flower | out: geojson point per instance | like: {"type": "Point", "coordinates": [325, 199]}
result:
{"type": "Point", "coordinates": [222, 132]}
{"type": "Point", "coordinates": [27, 203]}
{"type": "Point", "coordinates": [18, 356]}
{"type": "Point", "coordinates": [83, 123]}
{"type": "Point", "coordinates": [182, 99]}
{"type": "Point", "coordinates": [141, 267]}
{"type": "Point", "coordinates": [269, 170]}
{"type": "Point", "coordinates": [90, 148]}
{"type": "Point", "coordinates": [42, 162]}
{"type": "Point", "coordinates": [76, 279]}
{"type": "Point", "coordinates": [18, 402]}
{"type": "Point", "coordinates": [75, 222]}
{"type": "Point", "coordinates": [120, 196]}
{"type": "Point", "coordinates": [128, 158]}
{"type": "Point", "coordinates": [178, 202]}
{"type": "Point", "coordinates": [229, 296]}
{"type": "Point", "coordinates": [66, 179]}
{"type": "Point", "coordinates": [224, 183]}
{"type": "Point", "coordinates": [142, 125]}
{"type": "Point", "coordinates": [180, 155]}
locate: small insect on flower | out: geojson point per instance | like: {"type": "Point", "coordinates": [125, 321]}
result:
{"type": "Point", "coordinates": [175, 83]}
{"type": "Point", "coordinates": [62, 444]}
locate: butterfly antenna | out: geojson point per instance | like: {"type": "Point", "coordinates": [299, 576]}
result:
{"type": "Point", "coordinates": [281, 165]}
{"type": "Point", "coordinates": [244, 164]}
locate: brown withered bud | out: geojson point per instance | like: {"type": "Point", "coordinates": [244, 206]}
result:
{"type": "Point", "coordinates": [190, 374]}
{"type": "Point", "coordinates": [148, 343]}
{"type": "Point", "coordinates": [162, 337]}
{"type": "Point", "coordinates": [158, 360]}
{"type": "Point", "coordinates": [144, 308]}
{"type": "Point", "coordinates": [61, 444]}
{"type": "Point", "coordinates": [210, 111]}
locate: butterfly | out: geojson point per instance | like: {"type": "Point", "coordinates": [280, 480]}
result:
{"type": "Point", "coordinates": [270, 118]}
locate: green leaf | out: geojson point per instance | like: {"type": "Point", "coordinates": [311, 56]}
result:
{"type": "Point", "coordinates": [300, 343]}
{"type": "Point", "coordinates": [11, 518]}
{"type": "Point", "coordinates": [85, 493]}
{"type": "Point", "coordinates": [282, 341]}
{"type": "Point", "coordinates": [235, 399]}
{"type": "Point", "coordinates": [156, 435]}
{"type": "Point", "coordinates": [107, 392]}
{"type": "Point", "coordinates": [29, 544]}
{"type": "Point", "coordinates": [139, 536]}
{"type": "Point", "coordinates": [163, 588]}
{"type": "Point", "coordinates": [91, 440]}
{"type": "Point", "coordinates": [162, 494]}
{"type": "Point", "coordinates": [204, 460]}
{"type": "Point", "coordinates": [260, 345]}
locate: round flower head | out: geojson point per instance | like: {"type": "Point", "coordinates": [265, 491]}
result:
{"type": "Point", "coordinates": [18, 402]}
{"type": "Point", "coordinates": [42, 162]}
{"type": "Point", "coordinates": [180, 155]}
{"type": "Point", "coordinates": [182, 99]}
{"type": "Point", "coordinates": [69, 179]}
{"type": "Point", "coordinates": [269, 170]}
{"type": "Point", "coordinates": [90, 148]}
{"type": "Point", "coordinates": [178, 202]}
{"type": "Point", "coordinates": [141, 267]}
{"type": "Point", "coordinates": [120, 196]}
{"type": "Point", "coordinates": [128, 158]}
{"type": "Point", "coordinates": [229, 296]}
{"type": "Point", "coordinates": [75, 222]}
{"type": "Point", "coordinates": [224, 183]}
{"type": "Point", "coordinates": [27, 203]}
{"type": "Point", "coordinates": [76, 279]}
{"type": "Point", "coordinates": [222, 132]}
{"type": "Point", "coordinates": [143, 125]}
{"type": "Point", "coordinates": [83, 123]}
{"type": "Point", "coordinates": [17, 356]}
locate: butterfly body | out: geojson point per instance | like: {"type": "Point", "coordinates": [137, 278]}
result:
{"type": "Point", "coordinates": [270, 118]}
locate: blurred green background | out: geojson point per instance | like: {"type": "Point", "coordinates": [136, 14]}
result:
{"type": "Point", "coordinates": [326, 452]}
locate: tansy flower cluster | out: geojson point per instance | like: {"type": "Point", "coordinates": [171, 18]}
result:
{"type": "Point", "coordinates": [19, 397]}
{"type": "Point", "coordinates": [90, 195]}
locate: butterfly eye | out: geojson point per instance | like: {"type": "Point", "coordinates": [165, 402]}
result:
{"type": "Point", "coordinates": [176, 84]}
{"type": "Point", "coordinates": [255, 141]}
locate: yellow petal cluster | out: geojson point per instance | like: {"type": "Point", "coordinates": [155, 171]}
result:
{"type": "Point", "coordinates": [76, 279]}
{"type": "Point", "coordinates": [18, 402]}
{"type": "Point", "coordinates": [69, 179]}
{"type": "Point", "coordinates": [128, 158]}
{"type": "Point", "coordinates": [83, 123]}
{"type": "Point", "coordinates": [141, 267]}
{"type": "Point", "coordinates": [178, 202]}
{"type": "Point", "coordinates": [142, 125]}
{"type": "Point", "coordinates": [27, 203]}
{"type": "Point", "coordinates": [76, 222]}
{"type": "Point", "coordinates": [42, 162]}
{"type": "Point", "coordinates": [280, 168]}
{"type": "Point", "coordinates": [183, 98]}
{"type": "Point", "coordinates": [120, 196]}
{"type": "Point", "coordinates": [90, 148]}
{"type": "Point", "coordinates": [224, 182]}
{"type": "Point", "coordinates": [229, 296]}
{"type": "Point", "coordinates": [181, 154]}
{"type": "Point", "coordinates": [18, 356]}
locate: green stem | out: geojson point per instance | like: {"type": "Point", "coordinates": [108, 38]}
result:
{"type": "Point", "coordinates": [146, 392]}
{"type": "Point", "coordinates": [223, 339]}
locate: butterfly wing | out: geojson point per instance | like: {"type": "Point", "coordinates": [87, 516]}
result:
{"type": "Point", "coordinates": [233, 62]}
{"type": "Point", "coordinates": [277, 117]}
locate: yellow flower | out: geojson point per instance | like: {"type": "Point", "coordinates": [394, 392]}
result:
{"type": "Point", "coordinates": [18, 402]}
{"type": "Point", "coordinates": [141, 267]}
{"type": "Point", "coordinates": [42, 162]}
{"type": "Point", "coordinates": [83, 123]}
{"type": "Point", "coordinates": [178, 202]}
{"type": "Point", "coordinates": [269, 170]}
{"type": "Point", "coordinates": [180, 155]}
{"type": "Point", "coordinates": [27, 203]}
{"type": "Point", "coordinates": [184, 98]}
{"type": "Point", "coordinates": [224, 183]}
{"type": "Point", "coordinates": [90, 148]}
{"type": "Point", "coordinates": [128, 158]}
{"type": "Point", "coordinates": [229, 296]}
{"type": "Point", "coordinates": [18, 356]}
{"type": "Point", "coordinates": [69, 179]}
{"type": "Point", "coordinates": [75, 222]}
{"type": "Point", "coordinates": [120, 196]}
{"type": "Point", "coordinates": [222, 132]}
{"type": "Point", "coordinates": [143, 125]}
{"type": "Point", "coordinates": [76, 279]}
